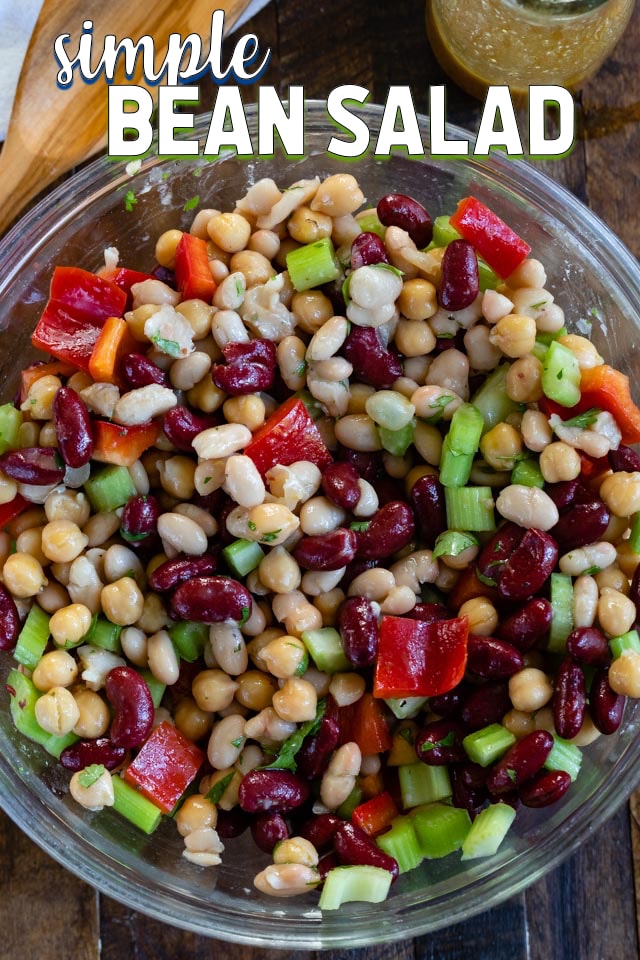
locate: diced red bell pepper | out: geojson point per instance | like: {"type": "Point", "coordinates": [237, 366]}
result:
{"type": "Point", "coordinates": [125, 278]}
{"type": "Point", "coordinates": [417, 659]}
{"type": "Point", "coordinates": [165, 766]}
{"type": "Point", "coordinates": [289, 434]}
{"type": "Point", "coordinates": [193, 275]}
{"type": "Point", "coordinates": [490, 236]}
{"type": "Point", "coordinates": [375, 815]}
{"type": "Point", "coordinates": [468, 587]}
{"type": "Point", "coordinates": [122, 445]}
{"type": "Point", "coordinates": [364, 723]}
{"type": "Point", "coordinates": [608, 389]}
{"type": "Point", "coordinates": [592, 467]}
{"type": "Point", "coordinates": [10, 510]}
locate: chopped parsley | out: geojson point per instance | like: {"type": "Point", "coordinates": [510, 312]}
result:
{"type": "Point", "coordinates": [583, 420]}
{"type": "Point", "coordinates": [285, 759]}
{"type": "Point", "coordinates": [218, 789]}
{"type": "Point", "coordinates": [191, 203]}
{"type": "Point", "coordinates": [130, 201]}
{"type": "Point", "coordinates": [171, 347]}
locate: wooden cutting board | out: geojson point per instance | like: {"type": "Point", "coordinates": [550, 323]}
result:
{"type": "Point", "coordinates": [51, 130]}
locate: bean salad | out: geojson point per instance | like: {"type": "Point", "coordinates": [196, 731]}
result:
{"type": "Point", "coordinates": [325, 527]}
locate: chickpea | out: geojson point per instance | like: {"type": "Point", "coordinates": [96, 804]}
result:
{"type": "Point", "coordinates": [213, 690]}
{"type": "Point", "coordinates": [624, 674]}
{"type": "Point", "coordinates": [122, 601]}
{"type": "Point", "coordinates": [191, 720]}
{"type": "Point", "coordinates": [483, 616]}
{"type": "Point", "coordinates": [285, 656]}
{"type": "Point", "coordinates": [559, 461]}
{"type": "Point", "coordinates": [530, 689]}
{"type": "Point", "coordinates": [296, 850]}
{"type": "Point", "coordinates": [501, 447]}
{"type": "Point", "coordinates": [418, 300]}
{"type": "Point", "coordinates": [63, 541]}
{"type": "Point", "coordinates": [96, 795]}
{"type": "Point", "coordinates": [23, 575]}
{"type": "Point", "coordinates": [55, 669]}
{"type": "Point", "coordinates": [94, 716]}
{"type": "Point", "coordinates": [255, 690]}
{"type": "Point", "coordinates": [307, 226]}
{"type": "Point", "coordinates": [616, 613]}
{"type": "Point", "coordinates": [515, 335]}
{"type": "Point", "coordinates": [70, 624]}
{"type": "Point", "coordinates": [338, 195]}
{"type": "Point", "coordinates": [229, 231]}
{"type": "Point", "coordinates": [518, 723]}
{"type": "Point", "coordinates": [296, 700]}
{"type": "Point", "coordinates": [57, 711]}
{"type": "Point", "coordinates": [166, 245]}
{"type": "Point", "coordinates": [195, 813]}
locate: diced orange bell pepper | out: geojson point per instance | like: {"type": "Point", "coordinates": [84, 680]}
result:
{"type": "Point", "coordinates": [28, 376]}
{"type": "Point", "coordinates": [608, 389]}
{"type": "Point", "coordinates": [114, 340]}
{"type": "Point", "coordinates": [375, 815]}
{"type": "Point", "coordinates": [121, 445]}
{"type": "Point", "coordinates": [364, 723]}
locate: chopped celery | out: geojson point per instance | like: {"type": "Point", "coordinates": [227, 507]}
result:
{"type": "Point", "coordinates": [527, 473]}
{"type": "Point", "coordinates": [133, 806]}
{"type": "Point", "coordinates": [33, 638]}
{"type": "Point", "coordinates": [561, 594]}
{"type": "Point", "coordinates": [634, 536]}
{"type": "Point", "coordinates": [369, 222]}
{"type": "Point", "coordinates": [470, 508]}
{"type": "Point", "coordinates": [313, 265]}
{"type": "Point", "coordinates": [103, 634]}
{"type": "Point", "coordinates": [325, 647]}
{"type": "Point", "coordinates": [156, 687]}
{"type": "Point", "coordinates": [109, 488]}
{"type": "Point", "coordinates": [561, 375]}
{"type": "Point", "coordinates": [243, 556]}
{"type": "Point", "coordinates": [189, 639]}
{"type": "Point", "coordinates": [488, 744]}
{"type": "Point", "coordinates": [540, 350]}
{"type": "Point", "coordinates": [564, 756]}
{"type": "Point", "coordinates": [488, 830]}
{"type": "Point", "coordinates": [460, 446]}
{"type": "Point", "coordinates": [548, 338]}
{"type": "Point", "coordinates": [443, 232]}
{"type": "Point", "coordinates": [406, 707]}
{"type": "Point", "coordinates": [23, 695]}
{"type": "Point", "coordinates": [492, 399]}
{"type": "Point", "coordinates": [401, 843]}
{"type": "Point", "coordinates": [440, 829]}
{"type": "Point", "coordinates": [488, 278]}
{"type": "Point", "coordinates": [420, 783]}
{"type": "Point", "coordinates": [347, 806]}
{"type": "Point", "coordinates": [10, 421]}
{"type": "Point", "coordinates": [626, 641]}
{"type": "Point", "coordinates": [452, 543]}
{"type": "Point", "coordinates": [359, 882]}
{"type": "Point", "coordinates": [397, 442]}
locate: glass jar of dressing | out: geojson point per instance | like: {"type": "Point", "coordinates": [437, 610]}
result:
{"type": "Point", "coordinates": [524, 42]}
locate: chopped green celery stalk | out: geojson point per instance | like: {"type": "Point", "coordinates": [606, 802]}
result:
{"type": "Point", "coordinates": [359, 882]}
{"type": "Point", "coordinates": [135, 807]}
{"type": "Point", "coordinates": [443, 232]}
{"type": "Point", "coordinates": [10, 422]}
{"type": "Point", "coordinates": [390, 409]}
{"type": "Point", "coordinates": [156, 687]}
{"type": "Point", "coordinates": [465, 430]}
{"type": "Point", "coordinates": [109, 487]}
{"type": "Point", "coordinates": [104, 634]}
{"type": "Point", "coordinates": [189, 639]}
{"type": "Point", "coordinates": [397, 442]}
{"type": "Point", "coordinates": [346, 808]}
{"type": "Point", "coordinates": [452, 543]}
{"type": "Point", "coordinates": [488, 830]}
{"type": "Point", "coordinates": [406, 707]}
{"type": "Point", "coordinates": [313, 265]}
{"type": "Point", "coordinates": [547, 338]}
{"type": "Point", "coordinates": [243, 556]}
{"type": "Point", "coordinates": [561, 375]}
{"type": "Point", "coordinates": [326, 650]}
{"type": "Point", "coordinates": [626, 641]}
{"type": "Point", "coordinates": [470, 508]}
{"type": "Point", "coordinates": [492, 399]}
{"type": "Point", "coordinates": [314, 409]}
{"type": "Point", "coordinates": [527, 473]}
{"type": "Point", "coordinates": [420, 783]}
{"type": "Point", "coordinates": [369, 222]}
{"type": "Point", "coordinates": [540, 350]}
{"type": "Point", "coordinates": [33, 638]}
{"type": "Point", "coordinates": [23, 695]}
{"type": "Point", "coordinates": [488, 744]}
{"type": "Point", "coordinates": [488, 278]}
{"type": "Point", "coordinates": [401, 843]}
{"type": "Point", "coordinates": [455, 468]}
{"type": "Point", "coordinates": [561, 596]}
{"type": "Point", "coordinates": [440, 829]}
{"type": "Point", "coordinates": [634, 536]}
{"type": "Point", "coordinates": [564, 756]}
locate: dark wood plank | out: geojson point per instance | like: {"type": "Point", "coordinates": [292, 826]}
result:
{"type": "Point", "coordinates": [499, 934]}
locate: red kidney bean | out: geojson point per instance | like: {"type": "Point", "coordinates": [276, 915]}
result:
{"type": "Point", "coordinates": [181, 425]}
{"type": "Point", "coordinates": [527, 625]}
{"type": "Point", "coordinates": [354, 847]}
{"type": "Point", "coordinates": [368, 465]}
{"type": "Point", "coordinates": [41, 466]}
{"type": "Point", "coordinates": [427, 500]}
{"type": "Point", "coordinates": [460, 282]}
{"type": "Point", "coordinates": [490, 657]}
{"type": "Point", "coordinates": [368, 248]}
{"type": "Point", "coordinates": [371, 361]}
{"type": "Point", "coordinates": [520, 763]}
{"type": "Point", "coordinates": [499, 548]}
{"type": "Point", "coordinates": [85, 752]}
{"type": "Point", "coordinates": [388, 489]}
{"type": "Point", "coordinates": [326, 864]}
{"type": "Point", "coordinates": [268, 829]}
{"type": "Point", "coordinates": [232, 823]}
{"type": "Point", "coordinates": [429, 612]}
{"type": "Point", "coordinates": [358, 626]}
{"type": "Point", "coordinates": [547, 788]}
{"type": "Point", "coordinates": [486, 704]}
{"type": "Point", "coordinates": [389, 530]}
{"type": "Point", "coordinates": [340, 484]}
{"type": "Point", "coordinates": [320, 830]}
{"type": "Point", "coordinates": [173, 572]}
{"type": "Point", "coordinates": [563, 493]}
{"type": "Point", "coordinates": [211, 600]}
{"type": "Point", "coordinates": [314, 754]}
{"type": "Point", "coordinates": [272, 791]}
{"type": "Point", "coordinates": [254, 351]}
{"type": "Point", "coordinates": [529, 566]}
{"type": "Point", "coordinates": [250, 367]}
{"type": "Point", "coordinates": [605, 706]}
{"type": "Point", "coordinates": [569, 699]}
{"type": "Point", "coordinates": [327, 551]}
{"type": "Point", "coordinates": [464, 795]}
{"type": "Point", "coordinates": [582, 523]}
{"type": "Point", "coordinates": [133, 709]}
{"type": "Point", "coordinates": [73, 427]}
{"type": "Point", "coordinates": [589, 645]}
{"type": "Point", "coordinates": [139, 517]}
{"type": "Point", "coordinates": [440, 743]}
{"type": "Point", "coordinates": [354, 569]}
{"type": "Point", "coordinates": [473, 775]}
{"type": "Point", "coordinates": [399, 210]}
{"type": "Point", "coordinates": [138, 371]}
{"type": "Point", "coordinates": [9, 620]}
{"type": "Point", "coordinates": [624, 459]}
{"type": "Point", "coordinates": [450, 704]}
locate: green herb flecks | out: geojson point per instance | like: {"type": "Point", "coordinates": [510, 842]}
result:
{"type": "Point", "coordinates": [286, 757]}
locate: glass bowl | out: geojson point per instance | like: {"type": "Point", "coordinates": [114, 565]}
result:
{"type": "Point", "coordinates": [595, 279]}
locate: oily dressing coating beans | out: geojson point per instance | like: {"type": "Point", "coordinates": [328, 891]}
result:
{"type": "Point", "coordinates": [272, 791]}
{"type": "Point", "coordinates": [85, 752]}
{"type": "Point", "coordinates": [133, 709]}
{"type": "Point", "coordinates": [605, 705]}
{"type": "Point", "coordinates": [358, 626]}
{"type": "Point", "coordinates": [212, 600]}
{"type": "Point", "coordinates": [328, 551]}
{"type": "Point", "coordinates": [389, 530]}
{"type": "Point", "coordinates": [399, 210]}
{"type": "Point", "coordinates": [460, 282]}
{"type": "Point", "coordinates": [9, 620]}
{"type": "Point", "coordinates": [527, 625]}
{"type": "Point", "coordinates": [569, 699]}
{"type": "Point", "coordinates": [180, 569]}
{"type": "Point", "coordinates": [73, 428]}
{"type": "Point", "coordinates": [340, 484]}
{"type": "Point", "coordinates": [372, 362]}
{"type": "Point", "coordinates": [354, 847]}
{"type": "Point", "coordinates": [39, 466]}
{"type": "Point", "coordinates": [520, 763]}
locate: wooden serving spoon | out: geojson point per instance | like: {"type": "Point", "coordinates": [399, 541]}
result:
{"type": "Point", "coordinates": [51, 130]}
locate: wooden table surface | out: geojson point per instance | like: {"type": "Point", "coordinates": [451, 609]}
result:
{"type": "Point", "coordinates": [584, 910]}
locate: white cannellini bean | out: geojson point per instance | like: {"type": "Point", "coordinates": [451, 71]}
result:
{"type": "Point", "coordinates": [340, 776]}
{"type": "Point", "coordinates": [227, 327]}
{"type": "Point", "coordinates": [226, 742]}
{"type": "Point", "coordinates": [187, 371]}
{"type": "Point", "coordinates": [162, 658]}
{"type": "Point", "coordinates": [231, 291]}
{"type": "Point", "coordinates": [593, 555]}
{"type": "Point", "coordinates": [229, 648]}
{"type": "Point", "coordinates": [182, 533]}
{"type": "Point", "coordinates": [527, 506]}
{"type": "Point", "coordinates": [328, 340]}
{"type": "Point", "coordinates": [585, 601]}
{"type": "Point", "coordinates": [368, 502]}
{"type": "Point", "coordinates": [145, 403]}
{"type": "Point", "coordinates": [101, 398]}
{"type": "Point", "coordinates": [96, 796]}
{"type": "Point", "coordinates": [243, 482]}
{"type": "Point", "coordinates": [217, 442]}
{"type": "Point", "coordinates": [286, 879]}
{"type": "Point", "coordinates": [495, 306]}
